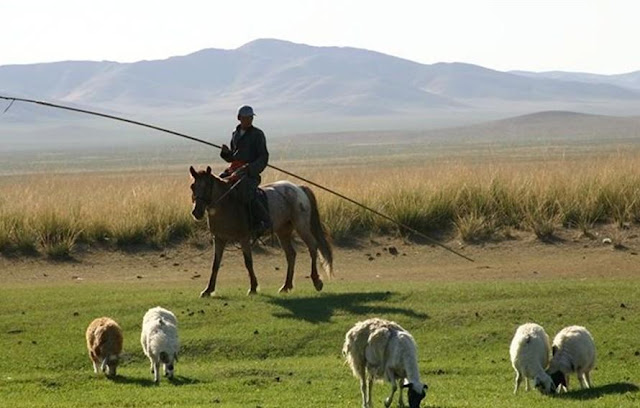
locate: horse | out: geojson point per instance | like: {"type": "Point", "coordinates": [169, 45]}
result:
{"type": "Point", "coordinates": [291, 207]}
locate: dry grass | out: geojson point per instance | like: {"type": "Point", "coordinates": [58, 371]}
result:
{"type": "Point", "coordinates": [51, 213]}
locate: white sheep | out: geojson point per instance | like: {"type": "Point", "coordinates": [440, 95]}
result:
{"type": "Point", "coordinates": [530, 356]}
{"type": "Point", "coordinates": [159, 340]}
{"type": "Point", "coordinates": [381, 349]}
{"type": "Point", "coordinates": [104, 343]}
{"type": "Point", "coordinates": [573, 351]}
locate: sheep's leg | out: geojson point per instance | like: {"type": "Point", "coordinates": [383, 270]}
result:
{"type": "Point", "coordinates": [369, 390]}
{"type": "Point", "coordinates": [518, 381]}
{"type": "Point", "coordinates": [587, 378]}
{"type": "Point", "coordinates": [526, 383]}
{"type": "Point", "coordinates": [582, 378]}
{"type": "Point", "coordinates": [103, 365]}
{"type": "Point", "coordinates": [400, 401]}
{"type": "Point", "coordinates": [363, 392]}
{"type": "Point", "coordinates": [389, 399]}
{"type": "Point", "coordinates": [156, 372]}
{"type": "Point", "coordinates": [94, 361]}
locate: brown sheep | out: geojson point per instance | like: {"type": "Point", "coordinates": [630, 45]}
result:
{"type": "Point", "coordinates": [104, 343]}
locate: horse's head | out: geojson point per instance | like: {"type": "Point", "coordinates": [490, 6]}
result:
{"type": "Point", "coordinates": [205, 189]}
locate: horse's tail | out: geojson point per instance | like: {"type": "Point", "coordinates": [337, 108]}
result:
{"type": "Point", "coordinates": [320, 233]}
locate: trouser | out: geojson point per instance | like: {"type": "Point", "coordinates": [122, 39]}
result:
{"type": "Point", "coordinates": [257, 210]}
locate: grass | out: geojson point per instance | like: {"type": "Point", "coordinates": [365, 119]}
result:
{"type": "Point", "coordinates": [280, 351]}
{"type": "Point", "coordinates": [53, 213]}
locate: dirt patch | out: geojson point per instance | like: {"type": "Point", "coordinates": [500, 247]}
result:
{"type": "Point", "coordinates": [382, 258]}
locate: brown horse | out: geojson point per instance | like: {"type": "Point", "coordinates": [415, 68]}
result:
{"type": "Point", "coordinates": [291, 207]}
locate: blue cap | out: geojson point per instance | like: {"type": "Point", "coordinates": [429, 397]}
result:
{"type": "Point", "coordinates": [246, 110]}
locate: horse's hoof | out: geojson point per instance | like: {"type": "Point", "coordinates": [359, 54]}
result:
{"type": "Point", "coordinates": [251, 292]}
{"type": "Point", "coordinates": [317, 283]}
{"type": "Point", "coordinates": [205, 294]}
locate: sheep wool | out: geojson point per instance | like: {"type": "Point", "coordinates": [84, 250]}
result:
{"type": "Point", "coordinates": [574, 351]}
{"type": "Point", "coordinates": [159, 339]}
{"type": "Point", "coordinates": [382, 349]}
{"type": "Point", "coordinates": [530, 356]}
{"type": "Point", "coordinates": [104, 343]}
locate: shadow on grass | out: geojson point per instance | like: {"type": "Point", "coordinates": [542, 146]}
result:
{"type": "Point", "coordinates": [322, 308]}
{"type": "Point", "coordinates": [148, 382]}
{"type": "Point", "coordinates": [597, 392]}
{"type": "Point", "coordinates": [182, 380]}
{"type": "Point", "coordinates": [143, 382]}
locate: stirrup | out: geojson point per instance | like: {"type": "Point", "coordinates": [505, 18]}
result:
{"type": "Point", "coordinates": [260, 230]}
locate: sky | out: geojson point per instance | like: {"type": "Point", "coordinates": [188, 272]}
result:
{"type": "Point", "coordinates": [596, 36]}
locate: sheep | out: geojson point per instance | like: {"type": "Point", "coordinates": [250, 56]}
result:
{"type": "Point", "coordinates": [159, 339]}
{"type": "Point", "coordinates": [573, 350]}
{"type": "Point", "coordinates": [530, 356]}
{"type": "Point", "coordinates": [382, 349]}
{"type": "Point", "coordinates": [104, 343]}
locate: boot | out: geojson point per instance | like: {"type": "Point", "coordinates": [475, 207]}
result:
{"type": "Point", "coordinates": [261, 218]}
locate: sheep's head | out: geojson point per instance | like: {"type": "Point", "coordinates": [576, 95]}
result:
{"type": "Point", "coordinates": [168, 362]}
{"type": "Point", "coordinates": [110, 365]}
{"type": "Point", "coordinates": [559, 380]}
{"type": "Point", "coordinates": [544, 384]}
{"type": "Point", "coordinates": [416, 396]}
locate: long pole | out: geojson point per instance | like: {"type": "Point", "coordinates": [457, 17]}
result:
{"type": "Point", "coordinates": [195, 139]}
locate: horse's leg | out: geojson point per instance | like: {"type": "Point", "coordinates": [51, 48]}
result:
{"type": "Point", "coordinates": [248, 263]}
{"type": "Point", "coordinates": [310, 241]}
{"type": "Point", "coordinates": [285, 241]}
{"type": "Point", "coordinates": [219, 245]}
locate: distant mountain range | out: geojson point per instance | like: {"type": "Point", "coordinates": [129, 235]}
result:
{"type": "Point", "coordinates": [295, 89]}
{"type": "Point", "coordinates": [290, 78]}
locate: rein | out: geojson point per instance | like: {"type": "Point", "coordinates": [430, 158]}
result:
{"type": "Point", "coordinates": [210, 204]}
{"type": "Point", "coordinates": [226, 193]}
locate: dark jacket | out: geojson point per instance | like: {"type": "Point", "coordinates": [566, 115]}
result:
{"type": "Point", "coordinates": [249, 148]}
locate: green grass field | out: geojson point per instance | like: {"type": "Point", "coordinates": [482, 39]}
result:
{"type": "Point", "coordinates": [285, 351]}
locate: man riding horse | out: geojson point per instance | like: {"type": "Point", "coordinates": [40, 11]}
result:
{"type": "Point", "coordinates": [248, 156]}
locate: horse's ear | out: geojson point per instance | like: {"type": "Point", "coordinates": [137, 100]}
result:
{"type": "Point", "coordinates": [208, 169]}
{"type": "Point", "coordinates": [192, 171]}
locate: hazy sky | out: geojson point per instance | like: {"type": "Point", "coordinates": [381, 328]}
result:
{"type": "Point", "coordinates": [599, 36]}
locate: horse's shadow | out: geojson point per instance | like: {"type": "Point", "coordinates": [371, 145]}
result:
{"type": "Point", "coordinates": [322, 308]}
{"type": "Point", "coordinates": [597, 392]}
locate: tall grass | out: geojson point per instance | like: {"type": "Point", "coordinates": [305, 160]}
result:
{"type": "Point", "coordinates": [53, 213]}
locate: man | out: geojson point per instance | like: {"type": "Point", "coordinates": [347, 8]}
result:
{"type": "Point", "coordinates": [248, 156]}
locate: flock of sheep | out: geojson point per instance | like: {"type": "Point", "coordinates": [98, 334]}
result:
{"type": "Point", "coordinates": [572, 351]}
{"type": "Point", "coordinates": [374, 349]}
{"type": "Point", "coordinates": [159, 341]}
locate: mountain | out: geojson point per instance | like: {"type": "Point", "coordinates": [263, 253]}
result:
{"type": "Point", "coordinates": [546, 127]}
{"type": "Point", "coordinates": [290, 79]}
{"type": "Point", "coordinates": [629, 80]}
{"type": "Point", "coordinates": [576, 131]}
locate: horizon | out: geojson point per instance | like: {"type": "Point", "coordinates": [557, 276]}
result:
{"type": "Point", "coordinates": [589, 38]}
{"type": "Point", "coordinates": [314, 46]}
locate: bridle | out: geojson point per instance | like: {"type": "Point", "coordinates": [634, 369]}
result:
{"type": "Point", "coordinates": [207, 201]}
